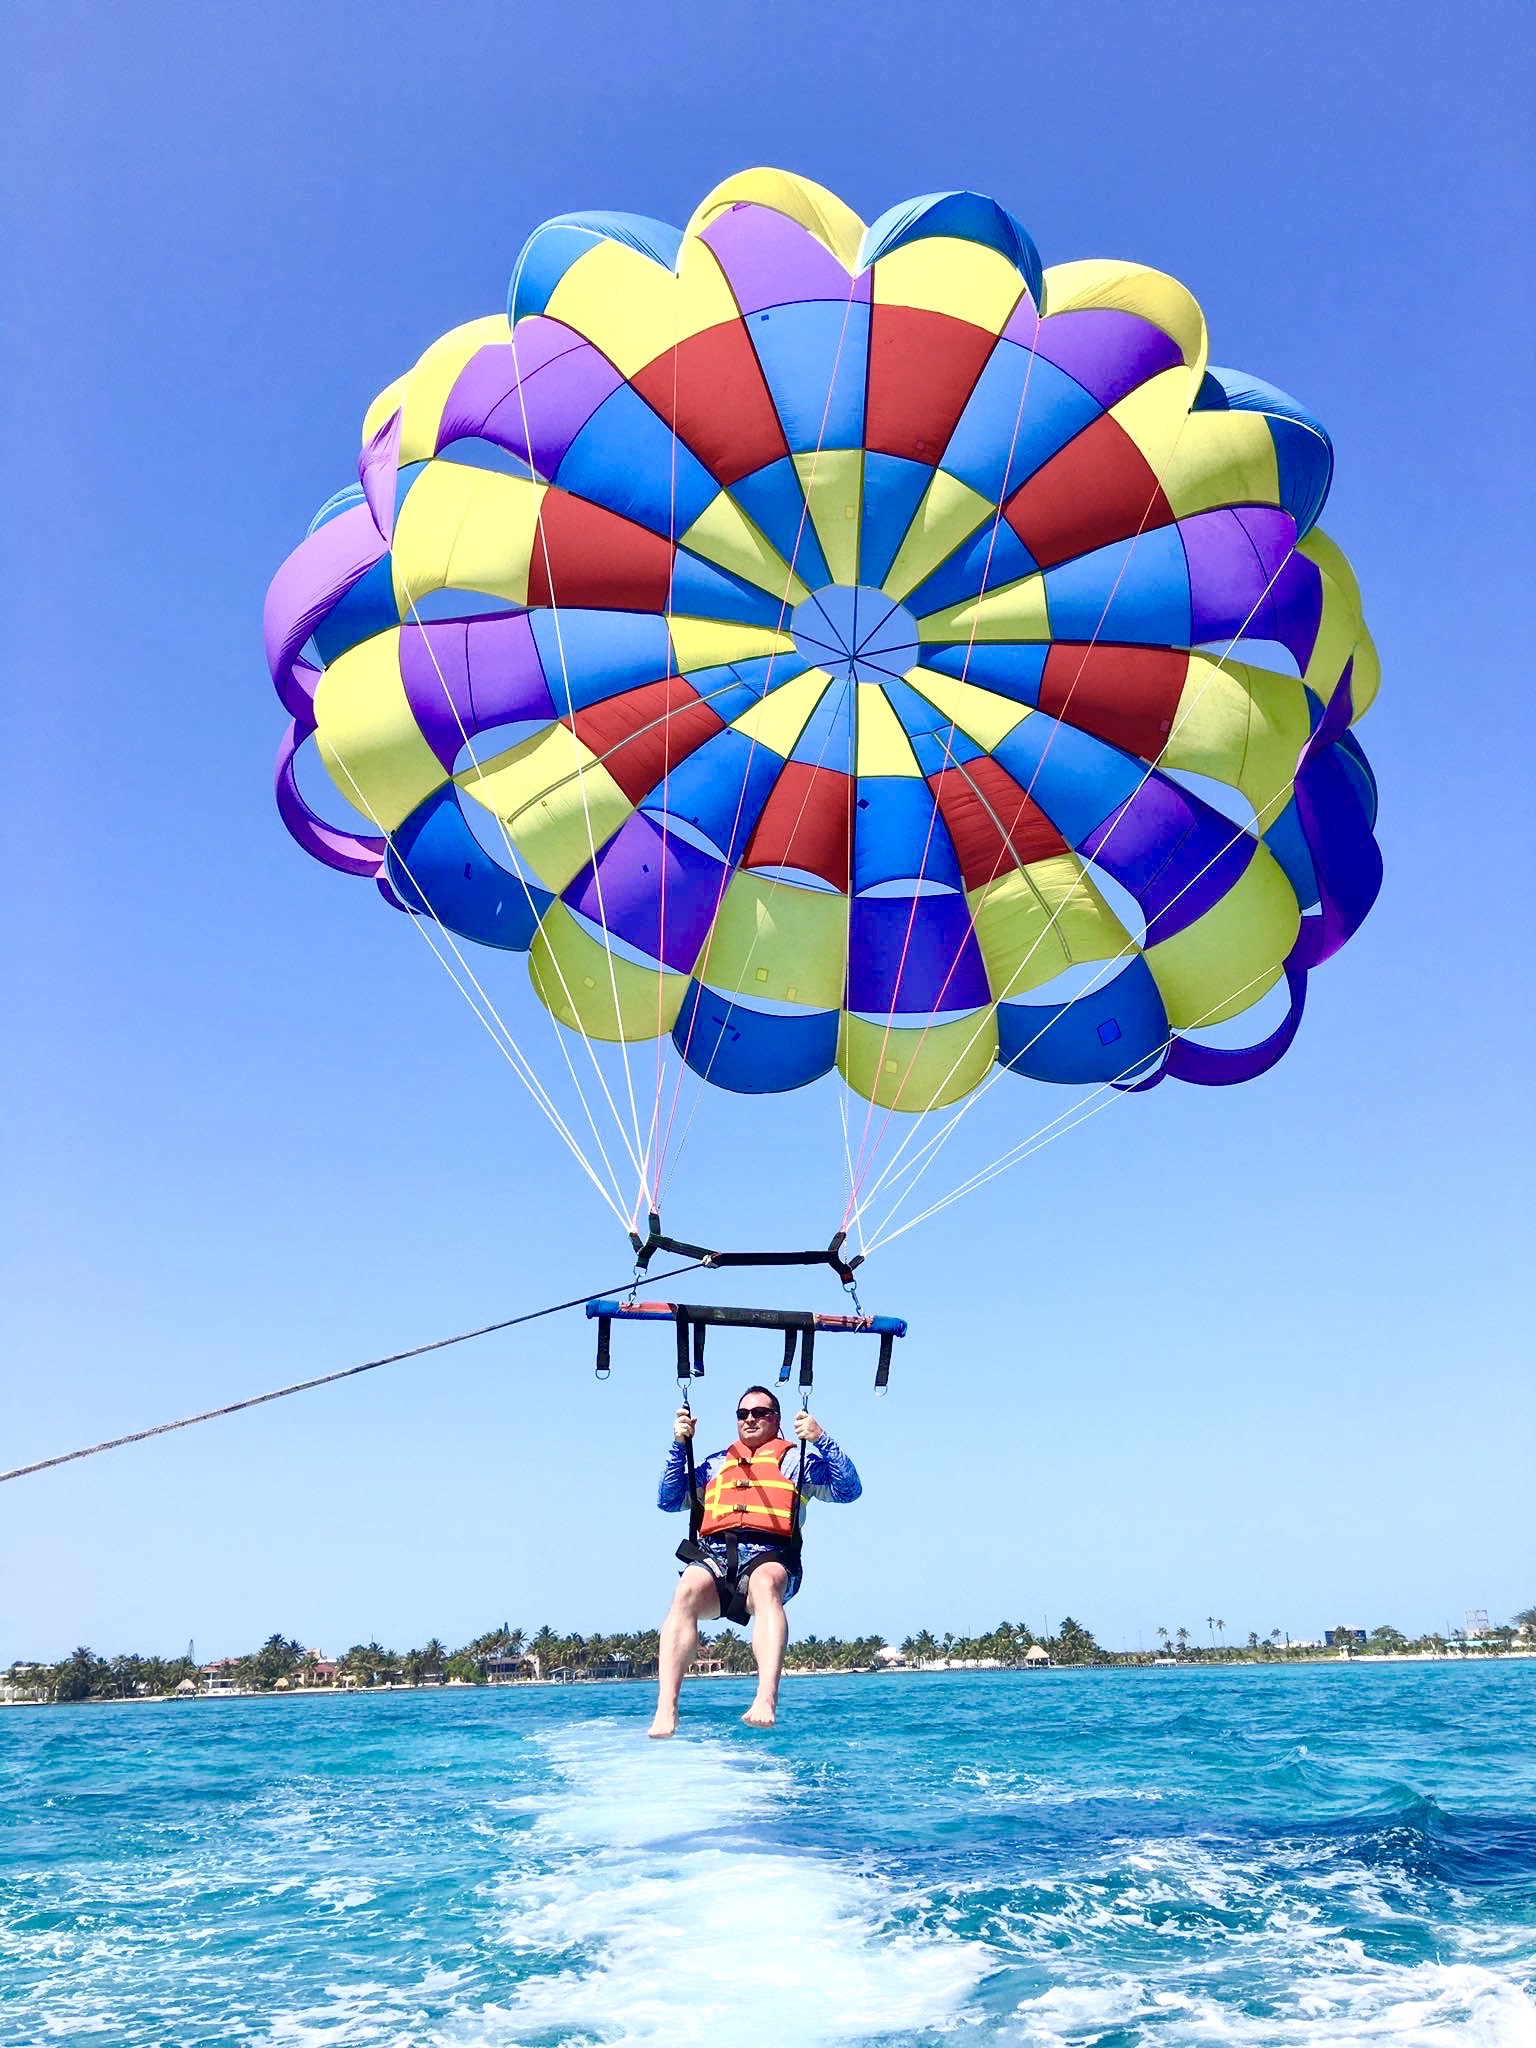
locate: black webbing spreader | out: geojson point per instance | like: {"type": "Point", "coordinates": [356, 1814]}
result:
{"type": "Point", "coordinates": [656, 1241]}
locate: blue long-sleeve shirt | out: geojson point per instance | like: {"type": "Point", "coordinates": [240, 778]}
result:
{"type": "Point", "coordinates": [829, 1474]}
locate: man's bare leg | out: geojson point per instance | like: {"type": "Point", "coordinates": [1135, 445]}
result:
{"type": "Point", "coordinates": [770, 1634]}
{"type": "Point", "coordinates": [695, 1600]}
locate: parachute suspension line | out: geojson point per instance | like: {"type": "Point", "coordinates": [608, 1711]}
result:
{"type": "Point", "coordinates": [1216, 668]}
{"type": "Point", "coordinates": [752, 948]}
{"type": "Point", "coordinates": [853, 1215]}
{"type": "Point", "coordinates": [866, 1152]}
{"type": "Point", "coordinates": [990, 1011]}
{"type": "Point", "coordinates": [325, 1379]}
{"type": "Point", "coordinates": [914, 1171]}
{"type": "Point", "coordinates": [644, 1195]}
{"type": "Point", "coordinates": [869, 1152]}
{"type": "Point", "coordinates": [652, 1170]}
{"type": "Point", "coordinates": [826, 413]}
{"type": "Point", "coordinates": [517, 870]}
{"type": "Point", "coordinates": [794, 557]}
{"type": "Point", "coordinates": [1068, 1120]}
{"type": "Point", "coordinates": [491, 1020]}
{"type": "Point", "coordinates": [916, 1166]}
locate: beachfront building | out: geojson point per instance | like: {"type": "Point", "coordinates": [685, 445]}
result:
{"type": "Point", "coordinates": [219, 1679]}
{"type": "Point", "coordinates": [1037, 1658]}
{"type": "Point", "coordinates": [507, 1670]}
{"type": "Point", "coordinates": [1343, 1638]}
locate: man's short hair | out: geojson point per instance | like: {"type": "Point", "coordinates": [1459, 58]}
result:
{"type": "Point", "coordinates": [767, 1391]}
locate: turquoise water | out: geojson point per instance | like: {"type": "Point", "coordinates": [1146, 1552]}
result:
{"type": "Point", "coordinates": [1310, 1856]}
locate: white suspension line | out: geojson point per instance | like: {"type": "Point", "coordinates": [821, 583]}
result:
{"type": "Point", "coordinates": [638, 1151]}
{"type": "Point", "coordinates": [500, 1034]}
{"type": "Point", "coordinates": [1068, 1120]}
{"type": "Point", "coordinates": [517, 870]}
{"type": "Point", "coordinates": [804, 520]}
{"type": "Point", "coordinates": [1216, 668]}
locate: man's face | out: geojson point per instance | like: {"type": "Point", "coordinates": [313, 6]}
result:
{"type": "Point", "coordinates": [757, 1420]}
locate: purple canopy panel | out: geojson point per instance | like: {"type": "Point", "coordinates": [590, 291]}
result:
{"type": "Point", "coordinates": [531, 395]}
{"type": "Point", "coordinates": [1176, 855]}
{"type": "Point", "coordinates": [1108, 352]}
{"type": "Point", "coordinates": [1219, 1066]}
{"type": "Point", "coordinates": [659, 893]}
{"type": "Point", "coordinates": [771, 260]}
{"type": "Point", "coordinates": [434, 666]}
{"type": "Point", "coordinates": [378, 468]}
{"type": "Point", "coordinates": [1246, 580]}
{"type": "Point", "coordinates": [319, 572]}
{"type": "Point", "coordinates": [1345, 856]}
{"type": "Point", "coordinates": [506, 678]}
{"type": "Point", "coordinates": [349, 852]}
{"type": "Point", "coordinates": [912, 956]}
{"type": "Point", "coordinates": [1024, 323]}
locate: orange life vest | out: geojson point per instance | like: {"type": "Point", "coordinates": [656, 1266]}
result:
{"type": "Point", "coordinates": [748, 1493]}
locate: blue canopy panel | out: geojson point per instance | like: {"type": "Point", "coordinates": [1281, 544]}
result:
{"type": "Point", "coordinates": [439, 869]}
{"type": "Point", "coordinates": [720, 790]}
{"type": "Point", "coordinates": [736, 686]}
{"type": "Point", "coordinates": [1288, 843]}
{"type": "Point", "coordinates": [814, 357]}
{"type": "Point", "coordinates": [1076, 780]}
{"type": "Point", "coordinates": [623, 459]}
{"type": "Point", "coordinates": [590, 655]}
{"type": "Point", "coordinates": [700, 591]}
{"type": "Point", "coordinates": [772, 497]}
{"type": "Point", "coordinates": [369, 607]}
{"type": "Point", "coordinates": [1014, 670]}
{"type": "Point", "coordinates": [826, 741]}
{"type": "Point", "coordinates": [1021, 412]}
{"type": "Point", "coordinates": [1134, 592]}
{"type": "Point", "coordinates": [893, 490]}
{"type": "Point", "coordinates": [1119, 1032]}
{"type": "Point", "coordinates": [899, 835]}
{"type": "Point", "coordinates": [750, 1051]}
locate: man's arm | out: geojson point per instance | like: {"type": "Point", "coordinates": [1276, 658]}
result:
{"type": "Point", "coordinates": [829, 1471]}
{"type": "Point", "coordinates": [672, 1492]}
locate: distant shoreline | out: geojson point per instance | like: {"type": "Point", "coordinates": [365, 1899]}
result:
{"type": "Point", "coordinates": [1127, 1662]}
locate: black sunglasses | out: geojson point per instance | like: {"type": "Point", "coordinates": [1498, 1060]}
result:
{"type": "Point", "coordinates": [754, 1414]}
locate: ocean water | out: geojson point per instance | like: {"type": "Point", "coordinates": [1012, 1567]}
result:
{"type": "Point", "coordinates": [1291, 1857]}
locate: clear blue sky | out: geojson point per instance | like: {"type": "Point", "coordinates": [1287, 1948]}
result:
{"type": "Point", "coordinates": [1263, 1353]}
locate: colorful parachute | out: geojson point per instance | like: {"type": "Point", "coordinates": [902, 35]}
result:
{"type": "Point", "coordinates": [845, 647]}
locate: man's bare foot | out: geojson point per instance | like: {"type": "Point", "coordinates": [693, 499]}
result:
{"type": "Point", "coordinates": [663, 1726]}
{"type": "Point", "coordinates": [760, 1714]}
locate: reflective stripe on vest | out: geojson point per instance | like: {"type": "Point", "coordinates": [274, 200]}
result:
{"type": "Point", "coordinates": [749, 1491]}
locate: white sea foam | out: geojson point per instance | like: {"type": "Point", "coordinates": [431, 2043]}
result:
{"type": "Point", "coordinates": [660, 1916]}
{"type": "Point", "coordinates": [1422, 2005]}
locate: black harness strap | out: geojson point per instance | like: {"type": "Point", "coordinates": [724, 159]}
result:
{"type": "Point", "coordinates": [797, 1513]}
{"type": "Point", "coordinates": [684, 1374]}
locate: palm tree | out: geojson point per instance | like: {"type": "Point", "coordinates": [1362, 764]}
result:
{"type": "Point", "coordinates": [1221, 1626]}
{"type": "Point", "coordinates": [1181, 1637]}
{"type": "Point", "coordinates": [1210, 1625]}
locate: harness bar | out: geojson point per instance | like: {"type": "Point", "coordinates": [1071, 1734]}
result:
{"type": "Point", "coordinates": [691, 1319]}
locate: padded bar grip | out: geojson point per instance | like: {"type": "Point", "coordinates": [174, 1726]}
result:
{"type": "Point", "coordinates": [748, 1318]}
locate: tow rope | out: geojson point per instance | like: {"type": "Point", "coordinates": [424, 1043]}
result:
{"type": "Point", "coordinates": [324, 1379]}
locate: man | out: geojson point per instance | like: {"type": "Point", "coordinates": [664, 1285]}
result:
{"type": "Point", "coordinates": [745, 1561]}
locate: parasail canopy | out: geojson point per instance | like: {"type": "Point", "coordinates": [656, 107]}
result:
{"type": "Point", "coordinates": [832, 647]}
